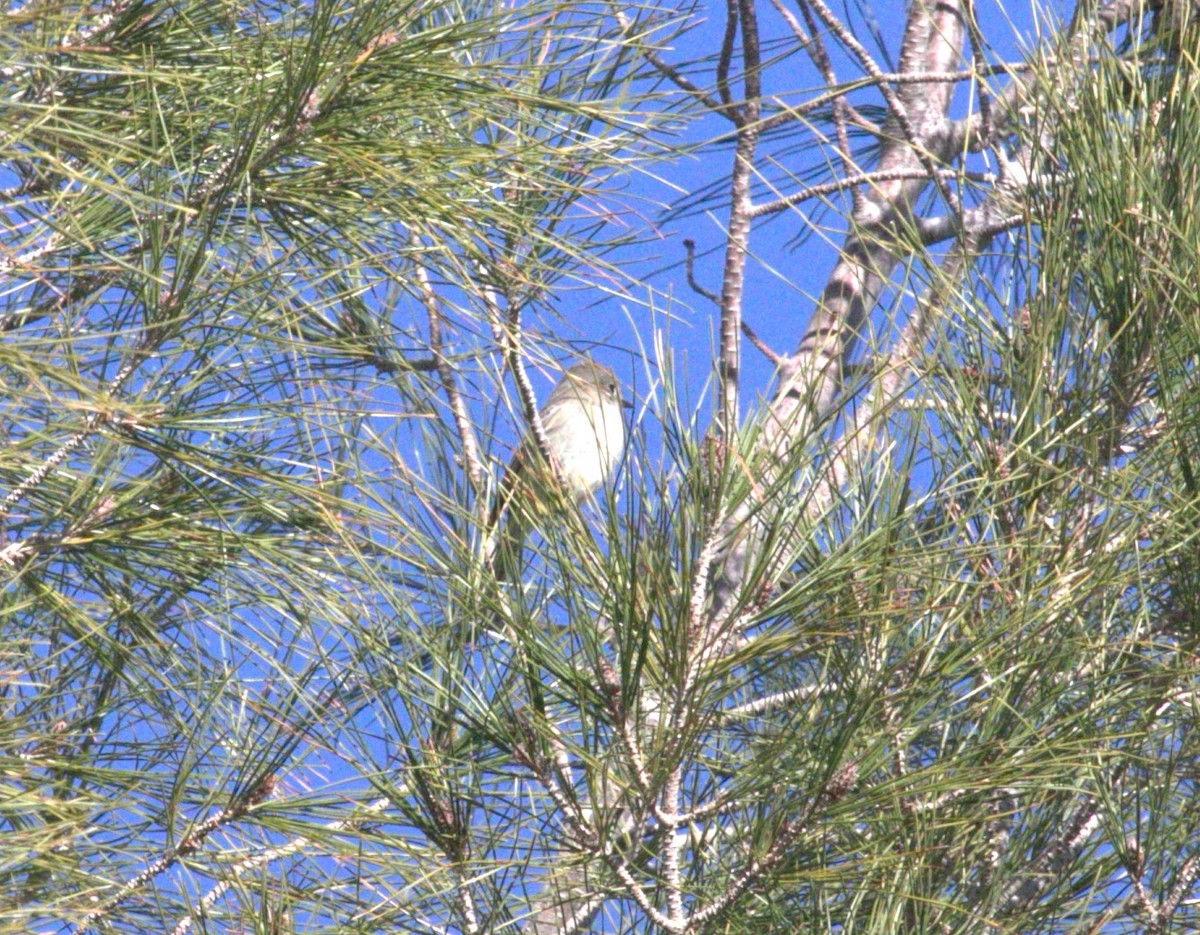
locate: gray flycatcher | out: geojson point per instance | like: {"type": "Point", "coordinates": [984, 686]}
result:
{"type": "Point", "coordinates": [585, 430]}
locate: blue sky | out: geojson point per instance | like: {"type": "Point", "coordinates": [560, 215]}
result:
{"type": "Point", "coordinates": [791, 252]}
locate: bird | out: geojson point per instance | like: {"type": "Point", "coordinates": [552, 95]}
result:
{"type": "Point", "coordinates": [585, 431]}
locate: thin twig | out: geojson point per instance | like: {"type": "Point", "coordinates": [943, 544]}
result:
{"type": "Point", "coordinates": [297, 844]}
{"type": "Point", "coordinates": [725, 57]}
{"type": "Point", "coordinates": [94, 421]}
{"type": "Point", "coordinates": [188, 845]}
{"type": "Point", "coordinates": [759, 343]}
{"type": "Point", "coordinates": [985, 99]}
{"type": "Point", "coordinates": [866, 178]}
{"type": "Point", "coordinates": [973, 73]}
{"type": "Point", "coordinates": [690, 268]}
{"type": "Point", "coordinates": [507, 336]}
{"type": "Point", "coordinates": [777, 700]}
{"type": "Point", "coordinates": [466, 432]}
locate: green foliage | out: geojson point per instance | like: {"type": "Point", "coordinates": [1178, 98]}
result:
{"type": "Point", "coordinates": [212, 347]}
{"type": "Point", "coordinates": [248, 635]}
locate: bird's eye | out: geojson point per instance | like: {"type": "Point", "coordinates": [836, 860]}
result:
{"type": "Point", "coordinates": [612, 389]}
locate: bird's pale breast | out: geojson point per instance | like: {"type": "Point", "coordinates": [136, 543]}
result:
{"type": "Point", "coordinates": [586, 457]}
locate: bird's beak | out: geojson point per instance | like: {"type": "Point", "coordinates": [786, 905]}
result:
{"type": "Point", "coordinates": [627, 404]}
